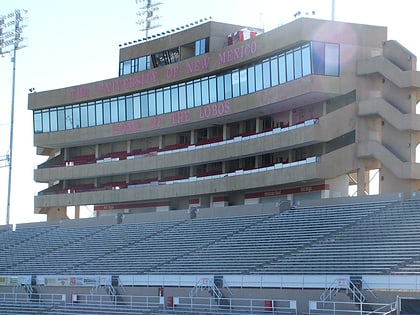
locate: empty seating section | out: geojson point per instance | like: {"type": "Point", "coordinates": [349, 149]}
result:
{"type": "Point", "coordinates": [377, 244]}
{"type": "Point", "coordinates": [368, 238]}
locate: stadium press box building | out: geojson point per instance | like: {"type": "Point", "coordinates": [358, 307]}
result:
{"type": "Point", "coordinates": [215, 115]}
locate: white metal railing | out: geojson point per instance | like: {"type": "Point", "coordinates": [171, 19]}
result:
{"type": "Point", "coordinates": [190, 304]}
{"type": "Point", "coordinates": [350, 308]}
{"type": "Point", "coordinates": [376, 282]}
{"type": "Point", "coordinates": [234, 305]}
{"type": "Point", "coordinates": [309, 122]}
{"type": "Point", "coordinates": [42, 298]}
{"type": "Point", "coordinates": [309, 160]}
{"type": "Point", "coordinates": [343, 284]}
{"type": "Point", "coordinates": [206, 284]}
{"type": "Point", "coordinates": [125, 301]}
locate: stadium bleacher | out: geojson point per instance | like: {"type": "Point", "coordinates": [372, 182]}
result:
{"type": "Point", "coordinates": [363, 238]}
{"type": "Point", "coordinates": [369, 238]}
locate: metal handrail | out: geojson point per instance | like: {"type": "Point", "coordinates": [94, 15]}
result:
{"type": "Point", "coordinates": [338, 308]}
{"type": "Point", "coordinates": [43, 298]}
{"type": "Point", "coordinates": [346, 284]}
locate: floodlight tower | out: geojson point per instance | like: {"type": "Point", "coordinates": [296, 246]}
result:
{"type": "Point", "coordinates": [11, 28]}
{"type": "Point", "coordinates": [148, 15]}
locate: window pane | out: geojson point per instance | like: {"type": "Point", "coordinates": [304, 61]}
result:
{"type": "Point", "coordinates": [121, 109]}
{"type": "Point", "coordinates": [251, 79]}
{"type": "Point", "coordinates": [99, 113]}
{"type": "Point", "coordinates": [76, 116]}
{"type": "Point", "coordinates": [290, 75]}
{"type": "Point", "coordinates": [45, 120]}
{"type": "Point", "coordinates": [114, 110]}
{"type": "Point", "coordinates": [167, 100]}
{"type": "Point", "coordinates": [332, 56]}
{"type": "Point", "coordinates": [197, 93]}
{"type": "Point", "coordinates": [69, 118]}
{"type": "Point", "coordinates": [212, 89]}
{"type": "Point", "coordinates": [266, 74]}
{"type": "Point", "coordinates": [159, 101]}
{"type": "Point", "coordinates": [297, 56]}
{"type": "Point", "coordinates": [174, 98]}
{"type": "Point", "coordinates": [243, 81]}
{"type": "Point", "coordinates": [61, 119]}
{"type": "Point", "coordinates": [190, 95]}
{"type": "Point", "coordinates": [144, 100]}
{"type": "Point", "coordinates": [91, 114]}
{"type": "Point", "coordinates": [135, 65]}
{"type": "Point", "coordinates": [129, 106]}
{"type": "Point", "coordinates": [37, 121]}
{"type": "Point", "coordinates": [205, 91]}
{"type": "Point", "coordinates": [83, 115]}
{"type": "Point", "coordinates": [136, 106]}
{"type": "Point", "coordinates": [152, 103]}
{"type": "Point", "coordinates": [235, 83]}
{"type": "Point", "coordinates": [282, 69]}
{"type": "Point", "coordinates": [200, 47]}
{"type": "Point", "coordinates": [126, 67]}
{"type": "Point", "coordinates": [121, 70]}
{"type": "Point", "coordinates": [258, 77]}
{"type": "Point", "coordinates": [220, 88]}
{"type": "Point", "coordinates": [228, 85]}
{"type": "Point", "coordinates": [107, 111]}
{"type": "Point", "coordinates": [53, 119]}
{"type": "Point", "coordinates": [274, 71]}
{"type": "Point", "coordinates": [306, 60]}
{"type": "Point", "coordinates": [182, 96]}
{"type": "Point", "coordinates": [318, 57]}
{"type": "Point", "coordinates": [144, 63]}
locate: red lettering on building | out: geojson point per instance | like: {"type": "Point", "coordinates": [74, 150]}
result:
{"type": "Point", "coordinates": [172, 72]}
{"type": "Point", "coordinates": [127, 127]}
{"type": "Point", "coordinates": [280, 192]}
{"type": "Point", "coordinates": [79, 93]}
{"type": "Point", "coordinates": [126, 84]}
{"type": "Point", "coordinates": [238, 53]}
{"type": "Point", "coordinates": [180, 117]}
{"type": "Point", "coordinates": [198, 65]}
{"type": "Point", "coordinates": [214, 110]}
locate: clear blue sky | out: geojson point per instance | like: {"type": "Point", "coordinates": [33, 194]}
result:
{"type": "Point", "coordinates": [75, 42]}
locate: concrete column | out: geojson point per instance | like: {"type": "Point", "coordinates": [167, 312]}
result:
{"type": "Point", "coordinates": [258, 124]}
{"type": "Point", "coordinates": [192, 137]}
{"type": "Point", "coordinates": [77, 212]}
{"type": "Point", "coordinates": [225, 131]}
{"type": "Point", "coordinates": [97, 151]}
{"type": "Point", "coordinates": [128, 146]}
{"type": "Point", "coordinates": [258, 161]}
{"type": "Point", "coordinates": [66, 153]}
{"type": "Point", "coordinates": [161, 141]}
{"type": "Point", "coordinates": [362, 181]}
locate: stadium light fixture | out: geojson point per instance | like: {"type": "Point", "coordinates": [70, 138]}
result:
{"type": "Point", "coordinates": [148, 15]}
{"type": "Point", "coordinates": [11, 29]}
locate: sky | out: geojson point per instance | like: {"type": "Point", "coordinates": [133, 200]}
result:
{"type": "Point", "coordinates": [75, 42]}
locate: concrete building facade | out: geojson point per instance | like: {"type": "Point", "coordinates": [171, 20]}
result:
{"type": "Point", "coordinates": [218, 114]}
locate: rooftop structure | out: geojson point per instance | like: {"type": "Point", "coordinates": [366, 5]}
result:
{"type": "Point", "coordinates": [218, 114]}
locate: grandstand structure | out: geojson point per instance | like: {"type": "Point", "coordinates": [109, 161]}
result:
{"type": "Point", "coordinates": [218, 163]}
{"type": "Point", "coordinates": [217, 114]}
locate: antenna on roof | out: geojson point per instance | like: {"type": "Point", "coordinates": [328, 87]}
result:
{"type": "Point", "coordinates": [148, 15]}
